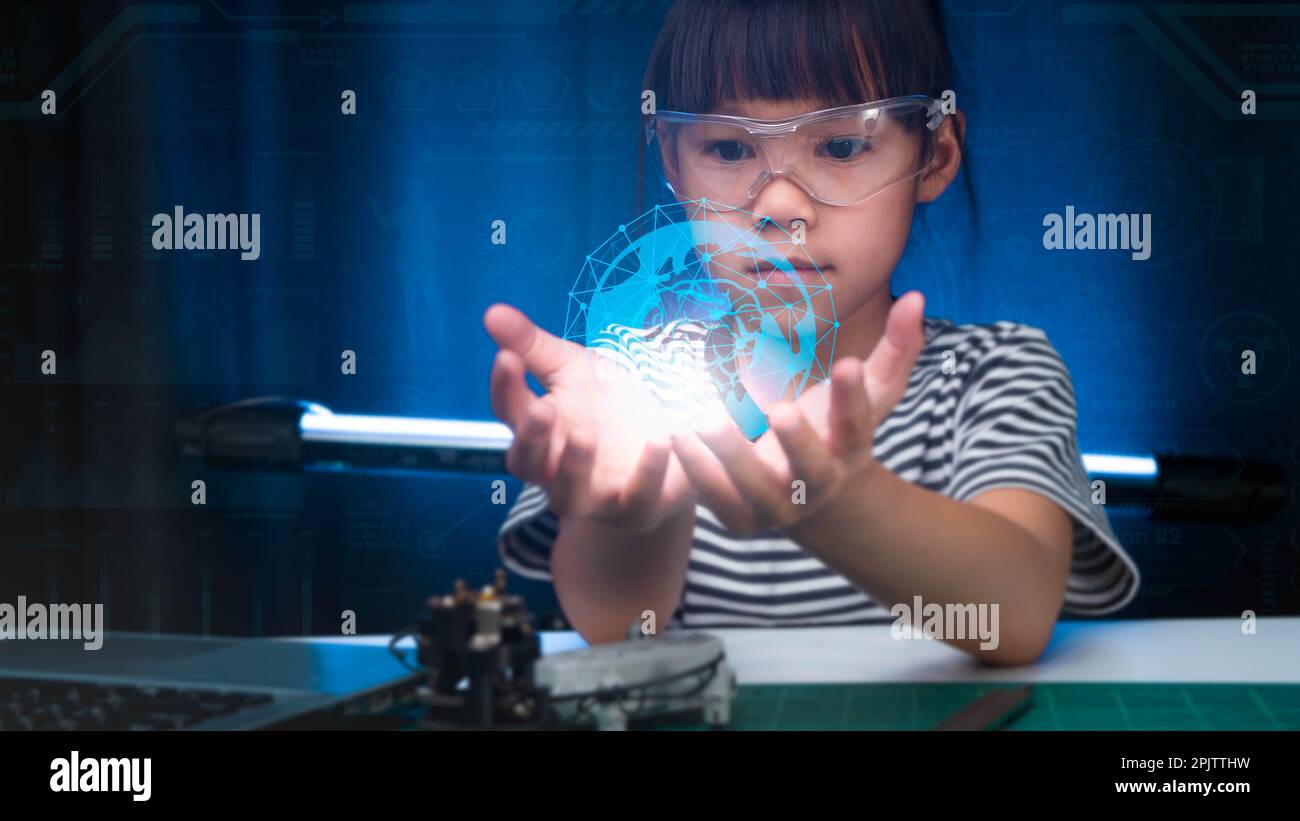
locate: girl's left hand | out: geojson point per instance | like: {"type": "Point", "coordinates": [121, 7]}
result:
{"type": "Point", "coordinates": [824, 439]}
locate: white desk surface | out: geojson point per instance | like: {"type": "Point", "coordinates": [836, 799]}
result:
{"type": "Point", "coordinates": [1151, 650]}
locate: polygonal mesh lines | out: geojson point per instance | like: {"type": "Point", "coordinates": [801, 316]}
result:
{"type": "Point", "coordinates": [722, 290]}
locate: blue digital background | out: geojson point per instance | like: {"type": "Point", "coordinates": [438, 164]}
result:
{"type": "Point", "coordinates": [376, 238]}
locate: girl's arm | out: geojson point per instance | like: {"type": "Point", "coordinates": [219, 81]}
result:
{"type": "Point", "coordinates": [626, 511]}
{"type": "Point", "coordinates": [606, 578]}
{"type": "Point", "coordinates": [897, 540]}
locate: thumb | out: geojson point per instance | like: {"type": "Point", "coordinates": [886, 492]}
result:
{"type": "Point", "coordinates": [543, 353]}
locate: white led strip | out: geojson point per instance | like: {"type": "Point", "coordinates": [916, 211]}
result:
{"type": "Point", "coordinates": [405, 431]}
{"type": "Point", "coordinates": [1121, 465]}
{"type": "Point", "coordinates": [409, 431]}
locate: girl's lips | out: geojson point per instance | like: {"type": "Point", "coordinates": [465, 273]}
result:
{"type": "Point", "coordinates": [800, 265]}
{"type": "Point", "coordinates": [810, 274]}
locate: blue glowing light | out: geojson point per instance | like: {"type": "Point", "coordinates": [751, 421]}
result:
{"type": "Point", "coordinates": [761, 305]}
{"type": "Point", "coordinates": [405, 431]}
{"type": "Point", "coordinates": [321, 425]}
{"type": "Point", "coordinates": [1138, 466]}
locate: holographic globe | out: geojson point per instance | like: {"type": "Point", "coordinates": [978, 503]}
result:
{"type": "Point", "coordinates": [718, 310]}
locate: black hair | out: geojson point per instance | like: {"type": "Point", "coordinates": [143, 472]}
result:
{"type": "Point", "coordinates": [835, 52]}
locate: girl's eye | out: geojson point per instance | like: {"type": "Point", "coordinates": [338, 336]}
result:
{"type": "Point", "coordinates": [845, 148]}
{"type": "Point", "coordinates": [729, 150]}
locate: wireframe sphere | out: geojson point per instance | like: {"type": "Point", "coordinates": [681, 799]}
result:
{"type": "Point", "coordinates": [734, 295]}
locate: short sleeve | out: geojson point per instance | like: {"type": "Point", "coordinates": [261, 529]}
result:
{"type": "Point", "coordinates": [526, 536]}
{"type": "Point", "coordinates": [1016, 427]}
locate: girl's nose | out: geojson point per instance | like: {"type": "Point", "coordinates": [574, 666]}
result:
{"type": "Point", "coordinates": [783, 201]}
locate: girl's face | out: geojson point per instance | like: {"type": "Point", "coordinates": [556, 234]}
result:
{"type": "Point", "coordinates": [856, 247]}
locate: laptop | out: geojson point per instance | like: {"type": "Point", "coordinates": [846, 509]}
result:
{"type": "Point", "coordinates": [139, 681]}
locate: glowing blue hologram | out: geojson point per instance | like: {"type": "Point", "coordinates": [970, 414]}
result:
{"type": "Point", "coordinates": [743, 316]}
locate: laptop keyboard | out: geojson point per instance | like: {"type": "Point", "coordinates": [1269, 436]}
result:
{"type": "Point", "coordinates": [45, 704]}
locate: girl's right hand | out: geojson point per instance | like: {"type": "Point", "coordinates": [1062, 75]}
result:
{"type": "Point", "coordinates": [596, 442]}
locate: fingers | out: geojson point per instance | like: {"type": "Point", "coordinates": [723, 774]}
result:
{"type": "Point", "coordinates": [638, 502]}
{"type": "Point", "coordinates": [890, 363]}
{"type": "Point", "coordinates": [530, 454]}
{"type": "Point", "coordinates": [809, 457]}
{"type": "Point", "coordinates": [710, 480]}
{"type": "Point", "coordinates": [851, 423]}
{"type": "Point", "coordinates": [747, 494]}
{"type": "Point", "coordinates": [542, 353]}
{"type": "Point", "coordinates": [510, 393]}
{"type": "Point", "coordinates": [633, 504]}
{"type": "Point", "coordinates": [570, 493]}
{"type": "Point", "coordinates": [757, 482]}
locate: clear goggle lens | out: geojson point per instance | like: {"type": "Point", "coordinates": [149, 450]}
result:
{"type": "Point", "coordinates": [842, 156]}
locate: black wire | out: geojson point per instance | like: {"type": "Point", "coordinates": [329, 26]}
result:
{"type": "Point", "coordinates": [622, 692]}
{"type": "Point", "coordinates": [586, 700]}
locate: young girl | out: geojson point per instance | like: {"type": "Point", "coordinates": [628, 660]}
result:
{"type": "Point", "coordinates": [937, 460]}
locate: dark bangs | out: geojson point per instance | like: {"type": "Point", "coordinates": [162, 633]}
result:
{"type": "Point", "coordinates": [711, 53]}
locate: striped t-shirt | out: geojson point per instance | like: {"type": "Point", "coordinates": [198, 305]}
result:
{"type": "Point", "coordinates": [1001, 414]}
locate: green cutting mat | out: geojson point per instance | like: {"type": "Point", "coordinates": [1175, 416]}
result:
{"type": "Point", "coordinates": [1054, 706]}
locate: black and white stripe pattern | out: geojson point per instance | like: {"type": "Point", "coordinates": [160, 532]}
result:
{"type": "Point", "coordinates": [669, 362]}
{"type": "Point", "coordinates": [1004, 417]}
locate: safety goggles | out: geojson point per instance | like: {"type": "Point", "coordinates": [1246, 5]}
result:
{"type": "Point", "coordinates": [840, 156]}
